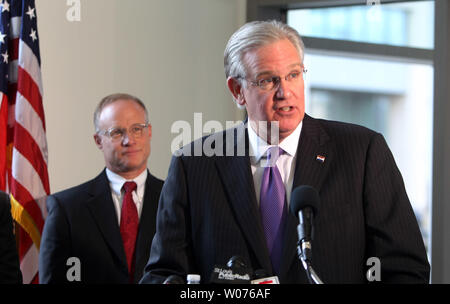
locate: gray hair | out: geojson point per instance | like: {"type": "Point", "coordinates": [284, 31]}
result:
{"type": "Point", "coordinates": [254, 35]}
{"type": "Point", "coordinates": [113, 98]}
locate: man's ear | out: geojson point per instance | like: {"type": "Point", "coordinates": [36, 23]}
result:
{"type": "Point", "coordinates": [150, 130]}
{"type": "Point", "coordinates": [98, 141]}
{"type": "Point", "coordinates": [236, 90]}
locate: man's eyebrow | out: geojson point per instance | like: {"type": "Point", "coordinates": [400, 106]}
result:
{"type": "Point", "coordinates": [272, 73]}
{"type": "Point", "coordinates": [296, 64]}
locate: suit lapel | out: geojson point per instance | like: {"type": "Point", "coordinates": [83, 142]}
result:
{"type": "Point", "coordinates": [238, 183]}
{"type": "Point", "coordinates": [102, 209]}
{"type": "Point", "coordinates": [237, 179]}
{"type": "Point", "coordinates": [146, 224]}
{"type": "Point", "coordinates": [309, 170]}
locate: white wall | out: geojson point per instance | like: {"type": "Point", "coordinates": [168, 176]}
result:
{"type": "Point", "coordinates": [169, 53]}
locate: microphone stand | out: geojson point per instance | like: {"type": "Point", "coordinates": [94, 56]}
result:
{"type": "Point", "coordinates": [304, 253]}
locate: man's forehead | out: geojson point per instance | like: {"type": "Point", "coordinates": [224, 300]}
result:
{"type": "Point", "coordinates": [257, 69]}
{"type": "Point", "coordinates": [273, 57]}
{"type": "Point", "coordinates": [115, 110]}
{"type": "Point", "coordinates": [290, 67]}
{"type": "Point", "coordinates": [119, 104]}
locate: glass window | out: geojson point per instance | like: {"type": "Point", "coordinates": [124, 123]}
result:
{"type": "Point", "coordinates": [400, 24]}
{"type": "Point", "coordinates": [393, 98]}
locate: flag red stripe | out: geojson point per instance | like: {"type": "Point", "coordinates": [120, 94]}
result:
{"type": "Point", "coordinates": [12, 90]}
{"type": "Point", "coordinates": [13, 49]}
{"type": "Point", "coordinates": [3, 139]}
{"type": "Point", "coordinates": [26, 145]}
{"type": "Point", "coordinates": [23, 196]}
{"type": "Point", "coordinates": [35, 279]}
{"type": "Point", "coordinates": [28, 88]}
{"type": "Point", "coordinates": [25, 243]}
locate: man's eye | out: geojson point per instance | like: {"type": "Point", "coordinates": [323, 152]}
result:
{"type": "Point", "coordinates": [115, 133]}
{"type": "Point", "coordinates": [265, 81]}
{"type": "Point", "coordinates": [294, 75]}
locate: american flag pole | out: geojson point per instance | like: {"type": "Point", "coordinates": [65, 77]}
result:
{"type": "Point", "coordinates": [24, 170]}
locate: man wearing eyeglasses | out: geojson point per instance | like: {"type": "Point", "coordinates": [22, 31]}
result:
{"type": "Point", "coordinates": [101, 231]}
{"type": "Point", "coordinates": [216, 207]}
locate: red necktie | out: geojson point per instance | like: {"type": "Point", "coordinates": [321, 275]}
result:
{"type": "Point", "coordinates": [129, 223]}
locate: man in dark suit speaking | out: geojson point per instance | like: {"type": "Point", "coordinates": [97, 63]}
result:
{"type": "Point", "coordinates": [101, 231]}
{"type": "Point", "coordinates": [215, 207]}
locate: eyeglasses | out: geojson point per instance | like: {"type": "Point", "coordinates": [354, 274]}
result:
{"type": "Point", "coordinates": [136, 131]}
{"type": "Point", "coordinates": [273, 82]}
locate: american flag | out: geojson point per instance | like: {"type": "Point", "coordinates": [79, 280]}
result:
{"type": "Point", "coordinates": [23, 143]}
{"type": "Point", "coordinates": [320, 158]}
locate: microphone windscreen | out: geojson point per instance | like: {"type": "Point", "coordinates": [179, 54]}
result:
{"type": "Point", "coordinates": [302, 197]}
{"type": "Point", "coordinates": [237, 262]}
{"type": "Point", "coordinates": [174, 279]}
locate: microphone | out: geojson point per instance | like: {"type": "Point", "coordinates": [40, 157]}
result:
{"type": "Point", "coordinates": [174, 279]}
{"type": "Point", "coordinates": [236, 262]}
{"type": "Point", "coordinates": [237, 271]}
{"type": "Point", "coordinates": [304, 202]}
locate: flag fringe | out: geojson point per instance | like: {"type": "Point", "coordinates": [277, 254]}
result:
{"type": "Point", "coordinates": [23, 218]}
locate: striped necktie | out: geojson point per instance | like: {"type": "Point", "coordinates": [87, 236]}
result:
{"type": "Point", "coordinates": [273, 207]}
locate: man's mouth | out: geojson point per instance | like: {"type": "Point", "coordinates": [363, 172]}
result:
{"type": "Point", "coordinates": [285, 109]}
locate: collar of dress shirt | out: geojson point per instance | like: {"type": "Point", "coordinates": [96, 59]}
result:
{"type": "Point", "coordinates": [258, 146]}
{"type": "Point", "coordinates": [116, 181]}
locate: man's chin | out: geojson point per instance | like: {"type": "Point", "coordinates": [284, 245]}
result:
{"type": "Point", "coordinates": [288, 128]}
{"type": "Point", "coordinates": [131, 167]}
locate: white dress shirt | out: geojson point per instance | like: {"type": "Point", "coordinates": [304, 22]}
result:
{"type": "Point", "coordinates": [285, 163]}
{"type": "Point", "coordinates": [116, 183]}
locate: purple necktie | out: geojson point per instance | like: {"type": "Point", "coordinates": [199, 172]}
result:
{"type": "Point", "coordinates": [272, 206]}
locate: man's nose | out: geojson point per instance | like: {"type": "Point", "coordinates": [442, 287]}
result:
{"type": "Point", "coordinates": [283, 90]}
{"type": "Point", "coordinates": [127, 139]}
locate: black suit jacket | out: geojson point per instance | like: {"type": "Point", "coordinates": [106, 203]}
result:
{"type": "Point", "coordinates": [208, 210]}
{"type": "Point", "coordinates": [82, 223]}
{"type": "Point", "coordinates": [9, 260]}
